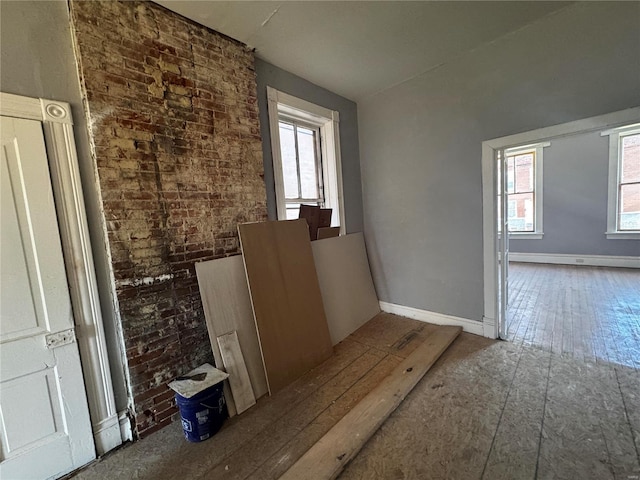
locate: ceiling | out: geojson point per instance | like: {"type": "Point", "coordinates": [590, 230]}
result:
{"type": "Point", "coordinates": [359, 48]}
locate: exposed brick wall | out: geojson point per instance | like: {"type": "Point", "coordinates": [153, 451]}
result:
{"type": "Point", "coordinates": [174, 124]}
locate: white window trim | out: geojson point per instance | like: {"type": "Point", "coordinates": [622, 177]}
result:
{"type": "Point", "coordinates": [329, 123]}
{"type": "Point", "coordinates": [538, 234]}
{"type": "Point", "coordinates": [612, 232]}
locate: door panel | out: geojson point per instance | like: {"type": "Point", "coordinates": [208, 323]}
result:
{"type": "Point", "coordinates": [44, 419]}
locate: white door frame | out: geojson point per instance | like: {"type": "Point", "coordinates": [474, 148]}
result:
{"type": "Point", "coordinates": [69, 202]}
{"type": "Point", "coordinates": [489, 198]}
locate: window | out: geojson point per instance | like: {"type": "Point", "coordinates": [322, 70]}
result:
{"type": "Point", "coordinates": [524, 190]}
{"type": "Point", "coordinates": [305, 146]}
{"type": "Point", "coordinates": [623, 214]}
{"type": "Point", "coordinates": [301, 165]}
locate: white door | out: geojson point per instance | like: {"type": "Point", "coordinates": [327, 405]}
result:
{"type": "Point", "coordinates": [503, 243]}
{"type": "Point", "coordinates": [44, 419]}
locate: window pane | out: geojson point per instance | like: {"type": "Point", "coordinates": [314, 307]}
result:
{"type": "Point", "coordinates": [308, 169]}
{"type": "Point", "coordinates": [524, 172]}
{"type": "Point", "coordinates": [510, 177]}
{"type": "Point", "coordinates": [630, 207]}
{"type": "Point", "coordinates": [293, 210]}
{"type": "Point", "coordinates": [521, 215]}
{"type": "Point", "coordinates": [630, 159]}
{"type": "Point", "coordinates": [289, 167]}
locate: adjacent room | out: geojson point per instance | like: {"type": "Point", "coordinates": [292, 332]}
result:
{"type": "Point", "coordinates": [267, 239]}
{"type": "Point", "coordinates": [573, 208]}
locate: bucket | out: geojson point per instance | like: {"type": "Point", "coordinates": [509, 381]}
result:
{"type": "Point", "coordinates": [202, 414]}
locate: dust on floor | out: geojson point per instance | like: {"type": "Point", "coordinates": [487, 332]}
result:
{"type": "Point", "coordinates": [487, 409]}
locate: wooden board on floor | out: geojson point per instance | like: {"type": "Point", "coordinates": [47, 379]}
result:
{"type": "Point", "coordinates": [227, 307]}
{"type": "Point", "coordinates": [348, 293]}
{"type": "Point", "coordinates": [238, 376]}
{"type": "Point", "coordinates": [285, 294]}
{"type": "Point", "coordinates": [328, 457]}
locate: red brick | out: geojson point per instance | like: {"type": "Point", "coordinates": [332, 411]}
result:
{"type": "Point", "coordinates": [178, 152]}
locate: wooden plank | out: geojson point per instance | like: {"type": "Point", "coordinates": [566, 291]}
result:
{"type": "Point", "coordinates": [285, 294]}
{"type": "Point", "coordinates": [325, 217]}
{"type": "Point", "coordinates": [348, 293]}
{"type": "Point", "coordinates": [328, 232]}
{"type": "Point", "coordinates": [311, 213]}
{"type": "Point", "coordinates": [227, 307]}
{"type": "Point", "coordinates": [328, 457]}
{"type": "Point", "coordinates": [238, 376]}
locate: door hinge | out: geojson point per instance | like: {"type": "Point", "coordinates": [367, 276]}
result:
{"type": "Point", "coordinates": [55, 340]}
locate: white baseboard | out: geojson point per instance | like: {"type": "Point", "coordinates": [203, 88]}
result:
{"type": "Point", "coordinates": [590, 260]}
{"type": "Point", "coordinates": [433, 317]}
{"type": "Point", "coordinates": [125, 426]}
{"type": "Point", "coordinates": [489, 329]}
{"type": "Point", "coordinates": [106, 434]}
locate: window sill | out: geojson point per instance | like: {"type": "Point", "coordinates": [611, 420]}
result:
{"type": "Point", "coordinates": [623, 235]}
{"type": "Point", "coordinates": [525, 236]}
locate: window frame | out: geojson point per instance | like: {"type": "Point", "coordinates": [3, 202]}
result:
{"type": "Point", "coordinates": [538, 177]}
{"type": "Point", "coordinates": [613, 200]}
{"type": "Point", "coordinates": [295, 123]}
{"type": "Point", "coordinates": [281, 104]}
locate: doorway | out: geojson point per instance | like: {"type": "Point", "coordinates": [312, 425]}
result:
{"type": "Point", "coordinates": [495, 209]}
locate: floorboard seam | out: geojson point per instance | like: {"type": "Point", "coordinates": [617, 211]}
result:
{"type": "Point", "coordinates": [504, 405]}
{"type": "Point", "coordinates": [606, 448]}
{"type": "Point", "coordinates": [626, 416]}
{"type": "Point", "coordinates": [544, 412]}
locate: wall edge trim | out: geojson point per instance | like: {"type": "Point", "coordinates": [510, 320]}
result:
{"type": "Point", "coordinates": [575, 259]}
{"type": "Point", "coordinates": [436, 318]}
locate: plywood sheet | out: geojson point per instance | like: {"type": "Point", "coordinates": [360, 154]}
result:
{"type": "Point", "coordinates": [326, 459]}
{"type": "Point", "coordinates": [227, 307]}
{"type": "Point", "coordinates": [328, 232]}
{"type": "Point", "coordinates": [311, 213]}
{"type": "Point", "coordinates": [325, 217]}
{"type": "Point", "coordinates": [236, 368]}
{"type": "Point", "coordinates": [348, 293]}
{"type": "Point", "coordinates": [287, 304]}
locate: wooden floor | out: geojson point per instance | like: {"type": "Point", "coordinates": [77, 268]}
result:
{"type": "Point", "coordinates": [486, 410]}
{"type": "Point", "coordinates": [590, 313]}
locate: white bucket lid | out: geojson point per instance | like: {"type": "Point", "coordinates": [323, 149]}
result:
{"type": "Point", "coordinates": [189, 388]}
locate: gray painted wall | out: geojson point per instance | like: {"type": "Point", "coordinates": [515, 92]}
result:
{"type": "Point", "coordinates": [38, 61]}
{"type": "Point", "coordinates": [421, 142]}
{"type": "Point", "coordinates": [270, 75]}
{"type": "Point", "coordinates": [575, 189]}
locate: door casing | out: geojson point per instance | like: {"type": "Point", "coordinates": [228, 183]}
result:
{"type": "Point", "coordinates": [492, 281]}
{"type": "Point", "coordinates": [57, 125]}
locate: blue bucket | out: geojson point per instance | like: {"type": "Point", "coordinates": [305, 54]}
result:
{"type": "Point", "coordinates": [202, 415]}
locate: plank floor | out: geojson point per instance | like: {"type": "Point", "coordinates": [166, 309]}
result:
{"type": "Point", "coordinates": [486, 410]}
{"type": "Point", "coordinates": [590, 313]}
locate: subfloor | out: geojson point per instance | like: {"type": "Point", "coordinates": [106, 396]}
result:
{"type": "Point", "coordinates": [590, 313]}
{"type": "Point", "coordinates": [487, 409]}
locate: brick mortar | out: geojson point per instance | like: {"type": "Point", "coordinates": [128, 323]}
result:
{"type": "Point", "coordinates": [174, 123]}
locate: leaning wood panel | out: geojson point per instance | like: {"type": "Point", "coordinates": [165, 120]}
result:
{"type": "Point", "coordinates": [227, 307]}
{"type": "Point", "coordinates": [328, 232]}
{"type": "Point", "coordinates": [236, 368]}
{"type": "Point", "coordinates": [287, 305]}
{"type": "Point", "coordinates": [348, 293]}
{"type": "Point", "coordinates": [328, 457]}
